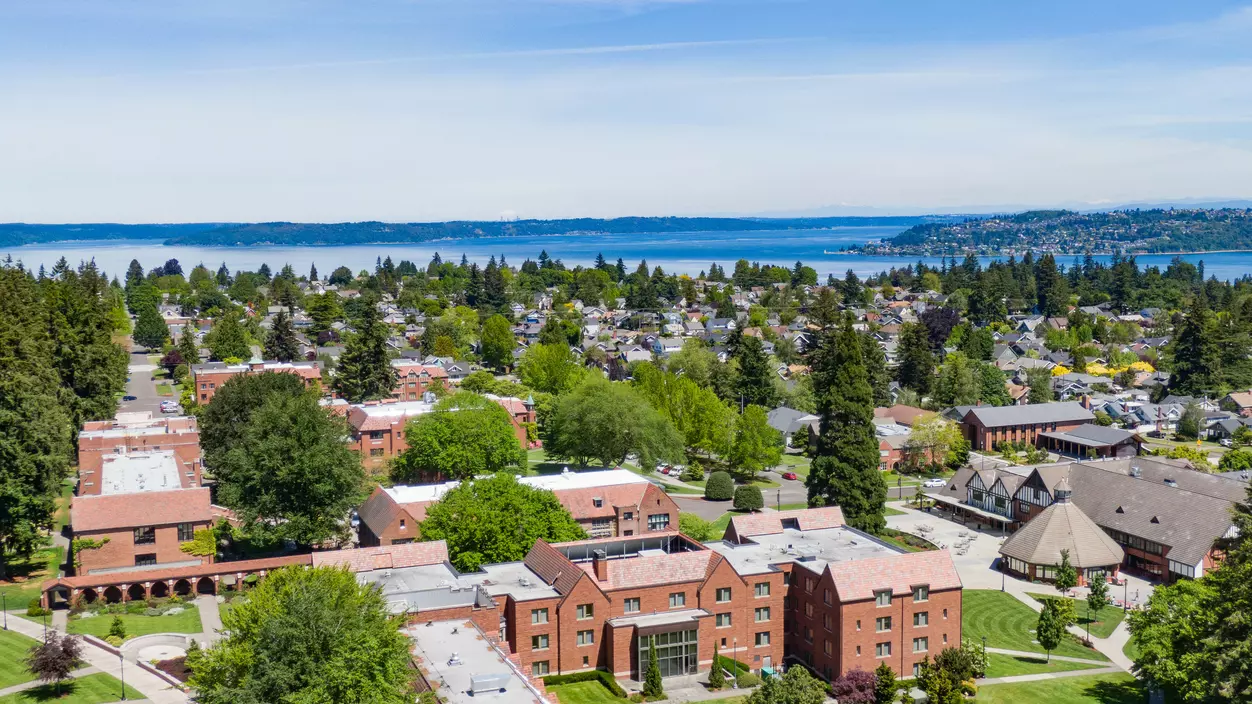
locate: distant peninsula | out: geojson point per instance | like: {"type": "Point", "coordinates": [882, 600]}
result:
{"type": "Point", "coordinates": [1152, 231]}
{"type": "Point", "coordinates": [348, 233]}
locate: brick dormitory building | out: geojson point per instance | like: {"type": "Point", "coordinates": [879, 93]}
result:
{"type": "Point", "coordinates": [207, 378]}
{"type": "Point", "coordinates": [793, 584]}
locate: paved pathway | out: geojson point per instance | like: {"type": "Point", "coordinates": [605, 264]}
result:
{"type": "Point", "coordinates": [155, 689]}
{"type": "Point", "coordinates": [36, 683]}
{"type": "Point", "coordinates": [210, 618]}
{"type": "Point", "coordinates": [1049, 675]}
{"type": "Point", "coordinates": [142, 387]}
{"type": "Point", "coordinates": [1062, 658]}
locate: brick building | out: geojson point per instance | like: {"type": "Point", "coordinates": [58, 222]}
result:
{"type": "Point", "coordinates": [377, 427]}
{"type": "Point", "coordinates": [140, 528]}
{"type": "Point", "coordinates": [209, 377]}
{"type": "Point", "coordinates": [794, 584]}
{"type": "Point", "coordinates": [414, 379]}
{"type": "Point", "coordinates": [615, 502]}
{"type": "Point", "coordinates": [154, 470]}
{"type": "Point", "coordinates": [987, 426]}
{"type": "Point", "coordinates": [134, 433]}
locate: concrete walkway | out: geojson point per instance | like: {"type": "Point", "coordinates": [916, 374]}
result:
{"type": "Point", "coordinates": [210, 618]}
{"type": "Point", "coordinates": [31, 685]}
{"type": "Point", "coordinates": [1049, 676]}
{"type": "Point", "coordinates": [155, 689]}
{"type": "Point", "coordinates": [1043, 656]}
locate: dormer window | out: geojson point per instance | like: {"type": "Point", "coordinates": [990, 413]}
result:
{"type": "Point", "coordinates": [1155, 519]}
{"type": "Point", "coordinates": [883, 598]}
{"type": "Point", "coordinates": [597, 502]}
{"type": "Point", "coordinates": [1120, 510]}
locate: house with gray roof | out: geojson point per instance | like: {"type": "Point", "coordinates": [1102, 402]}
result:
{"type": "Point", "coordinates": [987, 426]}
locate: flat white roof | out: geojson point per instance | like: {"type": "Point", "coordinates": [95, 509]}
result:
{"type": "Point", "coordinates": [812, 549]}
{"type": "Point", "coordinates": [396, 410]}
{"type": "Point", "coordinates": [455, 653]}
{"type": "Point", "coordinates": [552, 482]}
{"type": "Point", "coordinates": [139, 471]}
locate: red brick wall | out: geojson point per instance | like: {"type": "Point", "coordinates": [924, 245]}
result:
{"type": "Point", "coordinates": [521, 630]}
{"type": "Point", "coordinates": [392, 532]}
{"type": "Point", "coordinates": [742, 607]}
{"type": "Point", "coordinates": [902, 631]}
{"type": "Point", "coordinates": [983, 438]}
{"type": "Point", "coordinates": [487, 620]}
{"type": "Point", "coordinates": [207, 383]}
{"type": "Point", "coordinates": [120, 551]}
{"type": "Point", "coordinates": [568, 625]}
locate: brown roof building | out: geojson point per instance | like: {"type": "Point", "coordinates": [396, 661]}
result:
{"type": "Point", "coordinates": [138, 529]}
{"type": "Point", "coordinates": [1036, 550]}
{"type": "Point", "coordinates": [137, 432]}
{"type": "Point", "coordinates": [208, 378]}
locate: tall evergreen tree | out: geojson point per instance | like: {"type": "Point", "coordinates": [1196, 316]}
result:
{"type": "Point", "coordinates": [227, 339]}
{"type": "Point", "coordinates": [1194, 352]}
{"type": "Point", "coordinates": [845, 471]}
{"type": "Point", "coordinates": [1052, 288]}
{"type": "Point", "coordinates": [187, 346]}
{"type": "Point", "coordinates": [313, 272]}
{"type": "Point", "coordinates": [151, 330]}
{"type": "Point", "coordinates": [755, 384]}
{"type": "Point", "coordinates": [281, 343]}
{"type": "Point", "coordinates": [495, 297]}
{"type": "Point", "coordinates": [876, 369]}
{"type": "Point", "coordinates": [917, 363]}
{"type": "Point", "coordinates": [365, 372]}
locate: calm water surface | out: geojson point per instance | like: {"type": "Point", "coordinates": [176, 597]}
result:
{"type": "Point", "coordinates": [690, 252]}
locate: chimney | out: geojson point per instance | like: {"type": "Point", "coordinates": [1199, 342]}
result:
{"type": "Point", "coordinates": [600, 564]}
{"type": "Point", "coordinates": [1086, 401]}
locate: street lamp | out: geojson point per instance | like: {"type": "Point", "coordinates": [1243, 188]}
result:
{"type": "Point", "coordinates": [1002, 574]}
{"type": "Point", "coordinates": [4, 606]}
{"type": "Point", "coordinates": [122, 672]}
{"type": "Point", "coordinates": [1125, 595]}
{"type": "Point", "coordinates": [778, 499]}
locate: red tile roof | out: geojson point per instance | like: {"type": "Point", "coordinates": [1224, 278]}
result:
{"type": "Point", "coordinates": [175, 573]}
{"type": "Point", "coordinates": [581, 504]}
{"type": "Point", "coordinates": [145, 508]}
{"type": "Point", "coordinates": [655, 570]}
{"type": "Point", "coordinates": [384, 557]}
{"type": "Point", "coordinates": [770, 523]}
{"type": "Point", "coordinates": [857, 580]}
{"type": "Point", "coordinates": [552, 567]}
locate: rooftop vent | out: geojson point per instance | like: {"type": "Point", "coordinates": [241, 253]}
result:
{"type": "Point", "coordinates": [524, 581]}
{"type": "Point", "coordinates": [1135, 471]}
{"type": "Point", "coordinates": [1170, 482]}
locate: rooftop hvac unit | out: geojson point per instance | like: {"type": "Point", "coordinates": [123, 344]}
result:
{"type": "Point", "coordinates": [525, 582]}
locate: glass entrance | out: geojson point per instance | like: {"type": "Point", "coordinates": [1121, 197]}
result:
{"type": "Point", "coordinates": [677, 653]}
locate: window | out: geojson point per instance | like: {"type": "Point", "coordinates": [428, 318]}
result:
{"type": "Point", "coordinates": [376, 435]}
{"type": "Point", "coordinates": [762, 639]}
{"type": "Point", "coordinates": [538, 616]}
{"type": "Point", "coordinates": [677, 599]}
{"type": "Point", "coordinates": [376, 452]}
{"type": "Point", "coordinates": [145, 559]}
{"type": "Point", "coordinates": [628, 515]}
{"type": "Point", "coordinates": [858, 624]}
{"type": "Point", "coordinates": [586, 661]}
{"type": "Point", "coordinates": [762, 589]}
{"type": "Point", "coordinates": [186, 531]}
{"type": "Point", "coordinates": [586, 611]}
{"type": "Point", "coordinates": [145, 536]}
{"type": "Point", "coordinates": [882, 598]}
{"type": "Point", "coordinates": [723, 620]}
{"type": "Point", "coordinates": [917, 669]}
{"type": "Point", "coordinates": [827, 647]}
{"type": "Point", "coordinates": [921, 593]}
{"type": "Point", "coordinates": [402, 524]}
{"type": "Point", "coordinates": [826, 595]}
{"type": "Point", "coordinates": [808, 584]}
{"type": "Point", "coordinates": [945, 638]}
{"type": "Point", "coordinates": [827, 622]}
{"type": "Point", "coordinates": [658, 521]}
{"type": "Point", "coordinates": [630, 605]}
{"type": "Point", "coordinates": [676, 653]}
{"type": "Point", "coordinates": [921, 645]}
{"type": "Point", "coordinates": [723, 595]}
{"type": "Point", "coordinates": [539, 669]}
{"type": "Point", "coordinates": [808, 634]}
{"type": "Point", "coordinates": [808, 610]}
{"type": "Point", "coordinates": [882, 623]}
{"type": "Point", "coordinates": [601, 528]}
{"type": "Point", "coordinates": [1023, 506]}
{"type": "Point", "coordinates": [945, 614]}
{"type": "Point", "coordinates": [882, 650]}
{"type": "Point", "coordinates": [762, 614]}
{"type": "Point", "coordinates": [539, 642]}
{"type": "Point", "coordinates": [858, 651]}
{"type": "Point", "coordinates": [586, 637]}
{"type": "Point", "coordinates": [921, 618]}
{"type": "Point", "coordinates": [597, 502]}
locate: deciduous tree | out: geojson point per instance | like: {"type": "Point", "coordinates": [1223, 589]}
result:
{"type": "Point", "coordinates": [497, 342]}
{"type": "Point", "coordinates": [54, 659]}
{"type": "Point", "coordinates": [549, 368]}
{"type": "Point", "coordinates": [607, 421]}
{"type": "Point", "coordinates": [497, 519]}
{"type": "Point", "coordinates": [464, 436]}
{"type": "Point", "coordinates": [756, 446]}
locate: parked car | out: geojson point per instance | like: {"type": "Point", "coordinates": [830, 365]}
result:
{"type": "Point", "coordinates": [790, 475]}
{"type": "Point", "coordinates": [169, 407]}
{"type": "Point", "coordinates": [129, 398]}
{"type": "Point", "coordinates": [1226, 442]}
{"type": "Point", "coordinates": [935, 483]}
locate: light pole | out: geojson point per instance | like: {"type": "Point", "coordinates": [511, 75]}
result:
{"type": "Point", "coordinates": [1125, 595]}
{"type": "Point", "coordinates": [778, 499]}
{"type": "Point", "coordinates": [4, 600]}
{"type": "Point", "coordinates": [122, 672]}
{"type": "Point", "coordinates": [1001, 574]}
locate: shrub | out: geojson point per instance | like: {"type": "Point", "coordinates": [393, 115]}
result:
{"type": "Point", "coordinates": [720, 487]}
{"type": "Point", "coordinates": [117, 628]}
{"type": "Point", "coordinates": [748, 498]}
{"type": "Point", "coordinates": [692, 473]}
{"type": "Point", "coordinates": [176, 599]}
{"type": "Point", "coordinates": [36, 610]}
{"type": "Point", "coordinates": [114, 641]}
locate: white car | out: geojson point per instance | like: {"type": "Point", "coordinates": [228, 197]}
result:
{"type": "Point", "coordinates": [1226, 442]}
{"type": "Point", "coordinates": [934, 483]}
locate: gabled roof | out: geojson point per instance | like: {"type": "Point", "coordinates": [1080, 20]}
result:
{"type": "Point", "coordinates": [857, 580]}
{"type": "Point", "coordinates": [654, 570]}
{"type": "Point", "coordinates": [998, 416]}
{"type": "Point", "coordinates": [553, 567]}
{"type": "Point", "coordinates": [149, 508]}
{"type": "Point", "coordinates": [775, 522]}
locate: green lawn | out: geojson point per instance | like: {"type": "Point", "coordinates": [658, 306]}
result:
{"type": "Point", "coordinates": [92, 689]}
{"type": "Point", "coordinates": [1000, 665]}
{"type": "Point", "coordinates": [1131, 649]}
{"type": "Point", "coordinates": [593, 692]}
{"type": "Point", "coordinates": [139, 625]}
{"type": "Point", "coordinates": [1118, 688]}
{"type": "Point", "coordinates": [164, 389]}
{"type": "Point", "coordinates": [1104, 622]}
{"type": "Point", "coordinates": [25, 576]}
{"type": "Point", "coordinates": [888, 511]}
{"type": "Point", "coordinates": [1008, 623]}
{"type": "Point", "coordinates": [13, 650]}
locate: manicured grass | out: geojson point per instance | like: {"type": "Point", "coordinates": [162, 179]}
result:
{"type": "Point", "coordinates": [1102, 625]}
{"type": "Point", "coordinates": [92, 689]}
{"type": "Point", "coordinates": [1131, 649]}
{"type": "Point", "coordinates": [593, 692]}
{"type": "Point", "coordinates": [139, 625]}
{"type": "Point", "coordinates": [1008, 623]}
{"type": "Point", "coordinates": [164, 389]}
{"type": "Point", "coordinates": [888, 511]}
{"type": "Point", "coordinates": [1118, 688]}
{"type": "Point", "coordinates": [720, 525]}
{"type": "Point", "coordinates": [13, 649]}
{"type": "Point", "coordinates": [25, 576]}
{"type": "Point", "coordinates": [900, 540]}
{"type": "Point", "coordinates": [1000, 665]}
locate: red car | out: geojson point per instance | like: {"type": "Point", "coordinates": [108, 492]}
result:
{"type": "Point", "coordinates": [790, 475]}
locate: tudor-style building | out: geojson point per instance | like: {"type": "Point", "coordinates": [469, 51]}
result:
{"type": "Point", "coordinates": [1170, 520]}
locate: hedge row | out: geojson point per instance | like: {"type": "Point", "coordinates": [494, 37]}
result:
{"type": "Point", "coordinates": [605, 678]}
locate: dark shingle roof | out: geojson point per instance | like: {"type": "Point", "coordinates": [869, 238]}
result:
{"type": "Point", "coordinates": [996, 416]}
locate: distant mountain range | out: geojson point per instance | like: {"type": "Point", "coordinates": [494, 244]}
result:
{"type": "Point", "coordinates": [289, 233]}
{"type": "Point", "coordinates": [844, 210]}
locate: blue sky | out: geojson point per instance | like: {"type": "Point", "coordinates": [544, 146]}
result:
{"type": "Point", "coordinates": [143, 111]}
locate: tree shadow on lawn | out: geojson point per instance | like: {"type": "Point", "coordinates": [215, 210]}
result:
{"type": "Point", "coordinates": [1119, 692]}
{"type": "Point", "coordinates": [49, 692]}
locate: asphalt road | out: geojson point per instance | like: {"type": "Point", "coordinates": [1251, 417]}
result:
{"type": "Point", "coordinates": [142, 387]}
